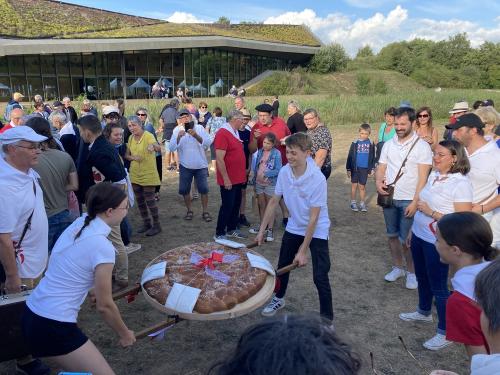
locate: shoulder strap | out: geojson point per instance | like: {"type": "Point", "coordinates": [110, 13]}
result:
{"type": "Point", "coordinates": [28, 223]}
{"type": "Point", "coordinates": [400, 172]}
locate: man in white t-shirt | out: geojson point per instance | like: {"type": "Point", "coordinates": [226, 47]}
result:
{"type": "Point", "coordinates": [21, 206]}
{"type": "Point", "coordinates": [484, 158]}
{"type": "Point", "coordinates": [399, 217]}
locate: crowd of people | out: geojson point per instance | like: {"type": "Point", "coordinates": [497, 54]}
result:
{"type": "Point", "coordinates": [68, 180]}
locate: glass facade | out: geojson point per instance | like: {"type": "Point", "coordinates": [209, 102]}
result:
{"type": "Point", "coordinates": [100, 75]}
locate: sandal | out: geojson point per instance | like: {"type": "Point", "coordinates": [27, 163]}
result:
{"type": "Point", "coordinates": [189, 215]}
{"type": "Point", "coordinates": [206, 216]}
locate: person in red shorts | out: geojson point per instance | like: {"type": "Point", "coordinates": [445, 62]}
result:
{"type": "Point", "coordinates": [463, 240]}
{"type": "Point", "coordinates": [269, 124]}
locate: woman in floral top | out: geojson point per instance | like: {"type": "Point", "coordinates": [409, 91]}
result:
{"type": "Point", "coordinates": [213, 125]}
{"type": "Point", "coordinates": [321, 141]}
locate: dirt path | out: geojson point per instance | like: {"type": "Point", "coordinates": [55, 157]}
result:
{"type": "Point", "coordinates": [366, 307]}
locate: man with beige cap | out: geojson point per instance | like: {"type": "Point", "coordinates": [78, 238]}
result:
{"type": "Point", "coordinates": [13, 103]}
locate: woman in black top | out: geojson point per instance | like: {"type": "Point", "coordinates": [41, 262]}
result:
{"type": "Point", "coordinates": [295, 120]}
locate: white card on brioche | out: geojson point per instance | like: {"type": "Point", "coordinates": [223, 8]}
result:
{"type": "Point", "coordinates": [229, 243]}
{"type": "Point", "coordinates": [182, 298]}
{"type": "Point", "coordinates": [156, 271]}
{"type": "Point", "coordinates": [260, 262]}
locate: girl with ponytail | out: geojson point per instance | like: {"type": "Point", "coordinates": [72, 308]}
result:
{"type": "Point", "coordinates": [82, 259]}
{"type": "Point", "coordinates": [463, 240]}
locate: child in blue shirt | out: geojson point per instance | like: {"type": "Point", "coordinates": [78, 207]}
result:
{"type": "Point", "coordinates": [360, 164]}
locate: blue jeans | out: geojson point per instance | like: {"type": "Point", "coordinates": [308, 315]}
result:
{"type": "Point", "coordinates": [432, 277]}
{"type": "Point", "coordinates": [396, 223]}
{"type": "Point", "coordinates": [57, 224]}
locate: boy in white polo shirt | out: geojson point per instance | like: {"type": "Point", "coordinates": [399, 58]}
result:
{"type": "Point", "coordinates": [304, 190]}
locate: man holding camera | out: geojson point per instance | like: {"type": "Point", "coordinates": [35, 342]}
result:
{"type": "Point", "coordinates": [190, 141]}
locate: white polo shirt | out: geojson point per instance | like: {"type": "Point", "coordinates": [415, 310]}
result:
{"type": "Point", "coordinates": [71, 270]}
{"type": "Point", "coordinates": [300, 195]}
{"type": "Point", "coordinates": [485, 177]}
{"type": "Point", "coordinates": [191, 152]}
{"type": "Point", "coordinates": [393, 154]}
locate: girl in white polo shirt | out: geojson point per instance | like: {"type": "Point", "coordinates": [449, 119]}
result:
{"type": "Point", "coordinates": [304, 190]}
{"type": "Point", "coordinates": [82, 259]}
{"type": "Point", "coordinates": [448, 190]}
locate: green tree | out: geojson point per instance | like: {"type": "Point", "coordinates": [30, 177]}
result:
{"type": "Point", "coordinates": [451, 53]}
{"type": "Point", "coordinates": [330, 58]}
{"type": "Point", "coordinates": [365, 51]}
{"type": "Point", "coordinates": [223, 20]}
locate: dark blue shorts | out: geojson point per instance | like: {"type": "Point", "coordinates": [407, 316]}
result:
{"type": "Point", "coordinates": [360, 176]}
{"type": "Point", "coordinates": [50, 338]}
{"type": "Point", "coordinates": [186, 176]}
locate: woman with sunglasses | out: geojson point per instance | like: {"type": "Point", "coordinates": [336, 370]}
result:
{"type": "Point", "coordinates": [448, 190]}
{"type": "Point", "coordinates": [424, 128]}
{"type": "Point", "coordinates": [203, 115]}
{"type": "Point", "coordinates": [81, 264]}
{"type": "Point", "coordinates": [147, 123]}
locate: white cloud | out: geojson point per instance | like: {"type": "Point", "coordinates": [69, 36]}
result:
{"type": "Point", "coordinates": [183, 17]}
{"type": "Point", "coordinates": [379, 29]}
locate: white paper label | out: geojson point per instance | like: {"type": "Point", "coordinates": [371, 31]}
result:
{"type": "Point", "coordinates": [182, 298]}
{"type": "Point", "coordinates": [156, 271]}
{"type": "Point", "coordinates": [260, 262]}
{"type": "Point", "coordinates": [229, 243]}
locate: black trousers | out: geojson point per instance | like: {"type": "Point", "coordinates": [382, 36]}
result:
{"type": "Point", "coordinates": [321, 266]}
{"type": "Point", "coordinates": [229, 209]}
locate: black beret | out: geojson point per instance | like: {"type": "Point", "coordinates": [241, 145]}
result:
{"type": "Point", "coordinates": [264, 108]}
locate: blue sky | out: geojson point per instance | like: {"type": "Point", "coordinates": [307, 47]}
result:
{"type": "Point", "coordinates": [352, 23]}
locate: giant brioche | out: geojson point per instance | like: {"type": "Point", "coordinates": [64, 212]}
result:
{"type": "Point", "coordinates": [245, 281]}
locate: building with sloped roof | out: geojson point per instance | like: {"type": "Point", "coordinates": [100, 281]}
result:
{"type": "Point", "coordinates": [57, 49]}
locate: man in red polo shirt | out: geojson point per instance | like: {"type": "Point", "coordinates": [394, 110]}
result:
{"type": "Point", "coordinates": [268, 124]}
{"type": "Point", "coordinates": [231, 175]}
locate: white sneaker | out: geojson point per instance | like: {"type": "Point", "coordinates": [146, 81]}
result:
{"type": "Point", "coordinates": [269, 235]}
{"type": "Point", "coordinates": [273, 306]}
{"type": "Point", "coordinates": [438, 342]}
{"type": "Point", "coordinates": [132, 247]}
{"type": "Point", "coordinates": [362, 207]}
{"type": "Point", "coordinates": [254, 230]}
{"type": "Point", "coordinates": [395, 274]}
{"type": "Point", "coordinates": [411, 281]}
{"type": "Point", "coordinates": [415, 317]}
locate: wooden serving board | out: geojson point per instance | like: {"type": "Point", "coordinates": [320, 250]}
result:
{"type": "Point", "coordinates": [254, 302]}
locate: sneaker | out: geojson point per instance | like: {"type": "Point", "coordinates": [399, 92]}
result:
{"type": "Point", "coordinates": [195, 196]}
{"type": "Point", "coordinates": [132, 247]}
{"type": "Point", "coordinates": [411, 281]}
{"type": "Point", "coordinates": [284, 222]}
{"type": "Point", "coordinates": [395, 274]}
{"type": "Point", "coordinates": [236, 234]}
{"type": "Point", "coordinates": [438, 342]}
{"type": "Point", "coordinates": [273, 306]}
{"type": "Point", "coordinates": [243, 221]}
{"type": "Point", "coordinates": [220, 237]}
{"type": "Point", "coordinates": [35, 367]}
{"type": "Point", "coordinates": [269, 235]}
{"type": "Point", "coordinates": [354, 206]}
{"type": "Point", "coordinates": [362, 207]}
{"type": "Point", "coordinates": [254, 230]}
{"type": "Point", "coordinates": [415, 317]}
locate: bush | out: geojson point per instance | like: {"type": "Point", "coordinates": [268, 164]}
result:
{"type": "Point", "coordinates": [379, 87]}
{"type": "Point", "coordinates": [330, 58]}
{"type": "Point", "coordinates": [363, 84]}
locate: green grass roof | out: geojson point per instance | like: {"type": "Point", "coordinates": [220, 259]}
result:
{"type": "Point", "coordinates": [53, 19]}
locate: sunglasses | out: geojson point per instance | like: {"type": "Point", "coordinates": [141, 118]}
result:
{"type": "Point", "coordinates": [203, 107]}
{"type": "Point", "coordinates": [424, 115]}
{"type": "Point", "coordinates": [141, 114]}
{"type": "Point", "coordinates": [111, 116]}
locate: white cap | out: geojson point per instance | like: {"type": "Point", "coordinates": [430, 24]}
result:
{"type": "Point", "coordinates": [110, 109]}
{"type": "Point", "coordinates": [20, 133]}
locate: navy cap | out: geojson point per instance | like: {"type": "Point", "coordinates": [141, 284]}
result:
{"type": "Point", "coordinates": [264, 108]}
{"type": "Point", "coordinates": [470, 120]}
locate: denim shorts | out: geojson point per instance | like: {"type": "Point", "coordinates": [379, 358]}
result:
{"type": "Point", "coordinates": [167, 145]}
{"type": "Point", "coordinates": [360, 176]}
{"type": "Point", "coordinates": [186, 176]}
{"type": "Point", "coordinates": [396, 223]}
{"type": "Point", "coordinates": [266, 189]}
